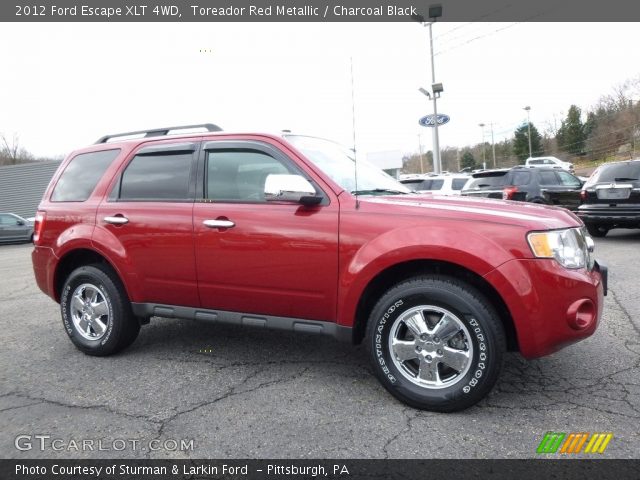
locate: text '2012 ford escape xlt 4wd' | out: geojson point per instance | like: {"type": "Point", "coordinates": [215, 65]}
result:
{"type": "Point", "coordinates": [271, 231]}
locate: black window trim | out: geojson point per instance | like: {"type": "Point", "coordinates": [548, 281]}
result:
{"type": "Point", "coordinates": [148, 150]}
{"type": "Point", "coordinates": [250, 145]}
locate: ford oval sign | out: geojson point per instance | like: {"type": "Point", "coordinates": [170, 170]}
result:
{"type": "Point", "coordinates": [429, 120]}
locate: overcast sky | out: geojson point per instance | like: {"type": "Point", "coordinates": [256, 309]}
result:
{"type": "Point", "coordinates": [65, 85]}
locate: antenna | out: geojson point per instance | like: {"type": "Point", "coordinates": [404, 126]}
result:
{"type": "Point", "coordinates": [353, 127]}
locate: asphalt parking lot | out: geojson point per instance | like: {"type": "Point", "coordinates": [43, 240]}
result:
{"type": "Point", "coordinates": [242, 393]}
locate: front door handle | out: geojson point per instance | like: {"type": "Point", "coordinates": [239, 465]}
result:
{"type": "Point", "coordinates": [116, 220]}
{"type": "Point", "coordinates": [218, 223]}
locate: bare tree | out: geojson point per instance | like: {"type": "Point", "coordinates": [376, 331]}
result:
{"type": "Point", "coordinates": [11, 152]}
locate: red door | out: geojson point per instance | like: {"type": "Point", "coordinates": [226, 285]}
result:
{"type": "Point", "coordinates": [265, 258]}
{"type": "Point", "coordinates": [149, 216]}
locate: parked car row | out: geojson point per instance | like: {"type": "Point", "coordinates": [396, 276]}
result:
{"type": "Point", "coordinates": [609, 198]}
{"type": "Point", "coordinates": [536, 185]}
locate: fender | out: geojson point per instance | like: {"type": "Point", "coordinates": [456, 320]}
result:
{"type": "Point", "coordinates": [461, 246]}
{"type": "Point", "coordinates": [108, 245]}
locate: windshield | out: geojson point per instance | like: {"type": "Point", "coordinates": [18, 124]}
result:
{"type": "Point", "coordinates": [338, 163]}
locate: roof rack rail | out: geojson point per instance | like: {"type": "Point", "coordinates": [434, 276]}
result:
{"type": "Point", "coordinates": [159, 132]}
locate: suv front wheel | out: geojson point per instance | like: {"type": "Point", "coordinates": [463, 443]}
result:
{"type": "Point", "coordinates": [436, 343]}
{"type": "Point", "coordinates": [96, 311]}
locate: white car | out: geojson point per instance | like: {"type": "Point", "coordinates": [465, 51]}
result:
{"type": "Point", "coordinates": [549, 162]}
{"type": "Point", "coordinates": [445, 184]}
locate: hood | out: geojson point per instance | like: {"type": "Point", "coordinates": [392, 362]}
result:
{"type": "Point", "coordinates": [528, 215]}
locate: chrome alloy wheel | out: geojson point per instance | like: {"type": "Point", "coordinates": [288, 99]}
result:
{"type": "Point", "coordinates": [90, 312]}
{"type": "Point", "coordinates": [431, 347]}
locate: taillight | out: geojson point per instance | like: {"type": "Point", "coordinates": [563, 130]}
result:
{"type": "Point", "coordinates": [509, 192]}
{"type": "Point", "coordinates": [38, 225]}
{"type": "Point", "coordinates": [583, 195]}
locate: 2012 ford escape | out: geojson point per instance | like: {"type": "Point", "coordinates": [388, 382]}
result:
{"type": "Point", "coordinates": [272, 231]}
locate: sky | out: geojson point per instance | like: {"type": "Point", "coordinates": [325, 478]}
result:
{"type": "Point", "coordinates": [64, 85]}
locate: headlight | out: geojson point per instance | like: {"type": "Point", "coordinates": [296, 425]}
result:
{"type": "Point", "coordinates": [569, 247]}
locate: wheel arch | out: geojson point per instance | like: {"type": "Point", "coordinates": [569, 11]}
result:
{"type": "Point", "coordinates": [76, 258]}
{"type": "Point", "coordinates": [399, 272]}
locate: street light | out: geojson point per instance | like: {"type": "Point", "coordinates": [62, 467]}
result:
{"type": "Point", "coordinates": [528, 109]}
{"type": "Point", "coordinates": [484, 163]}
{"type": "Point", "coordinates": [435, 11]}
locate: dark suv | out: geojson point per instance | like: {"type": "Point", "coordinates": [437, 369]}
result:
{"type": "Point", "coordinates": [536, 185]}
{"type": "Point", "coordinates": [269, 231]}
{"type": "Point", "coordinates": [611, 198]}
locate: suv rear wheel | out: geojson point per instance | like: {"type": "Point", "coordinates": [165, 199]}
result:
{"type": "Point", "coordinates": [436, 343]}
{"type": "Point", "coordinates": [96, 311]}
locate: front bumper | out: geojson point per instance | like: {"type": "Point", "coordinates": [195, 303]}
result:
{"type": "Point", "coordinates": [551, 306]}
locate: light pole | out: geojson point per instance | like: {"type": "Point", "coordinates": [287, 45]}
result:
{"type": "Point", "coordinates": [528, 109]}
{"type": "Point", "coordinates": [484, 163]}
{"type": "Point", "coordinates": [435, 11]}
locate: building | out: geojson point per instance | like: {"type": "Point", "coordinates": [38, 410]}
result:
{"type": "Point", "coordinates": [22, 186]}
{"type": "Point", "coordinates": [390, 161]}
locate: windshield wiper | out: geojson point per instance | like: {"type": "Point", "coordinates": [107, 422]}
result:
{"type": "Point", "coordinates": [624, 179]}
{"type": "Point", "coordinates": [375, 191]}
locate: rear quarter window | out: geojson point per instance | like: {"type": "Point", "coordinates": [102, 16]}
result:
{"type": "Point", "coordinates": [81, 176]}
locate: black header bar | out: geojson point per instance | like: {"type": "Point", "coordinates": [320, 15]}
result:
{"type": "Point", "coordinates": [318, 11]}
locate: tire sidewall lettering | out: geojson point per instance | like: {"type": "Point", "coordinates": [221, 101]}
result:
{"type": "Point", "coordinates": [480, 358]}
{"type": "Point", "coordinates": [378, 341]}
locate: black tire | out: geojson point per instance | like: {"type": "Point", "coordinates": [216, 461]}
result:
{"type": "Point", "coordinates": [596, 230]}
{"type": "Point", "coordinates": [483, 343]}
{"type": "Point", "coordinates": [120, 325]}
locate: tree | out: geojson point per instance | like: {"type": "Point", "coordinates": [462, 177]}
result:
{"type": "Point", "coordinates": [11, 152]}
{"type": "Point", "coordinates": [571, 134]}
{"type": "Point", "coordinates": [467, 160]}
{"type": "Point", "coordinates": [521, 142]}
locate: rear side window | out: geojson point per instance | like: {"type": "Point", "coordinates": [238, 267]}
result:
{"type": "Point", "coordinates": [521, 178]}
{"type": "Point", "coordinates": [82, 175]}
{"type": "Point", "coordinates": [436, 184]}
{"type": "Point", "coordinates": [458, 183]}
{"type": "Point", "coordinates": [412, 185]}
{"type": "Point", "coordinates": [548, 178]}
{"type": "Point", "coordinates": [157, 177]}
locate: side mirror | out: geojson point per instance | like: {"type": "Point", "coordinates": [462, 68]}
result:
{"type": "Point", "coordinates": [290, 188]}
{"type": "Point", "coordinates": [20, 223]}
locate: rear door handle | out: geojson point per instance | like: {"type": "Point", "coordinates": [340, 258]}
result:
{"type": "Point", "coordinates": [218, 223]}
{"type": "Point", "coordinates": [116, 220]}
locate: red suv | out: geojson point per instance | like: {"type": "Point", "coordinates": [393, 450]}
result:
{"type": "Point", "coordinates": [275, 231]}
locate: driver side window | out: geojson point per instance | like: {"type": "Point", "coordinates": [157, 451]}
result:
{"type": "Point", "coordinates": [239, 175]}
